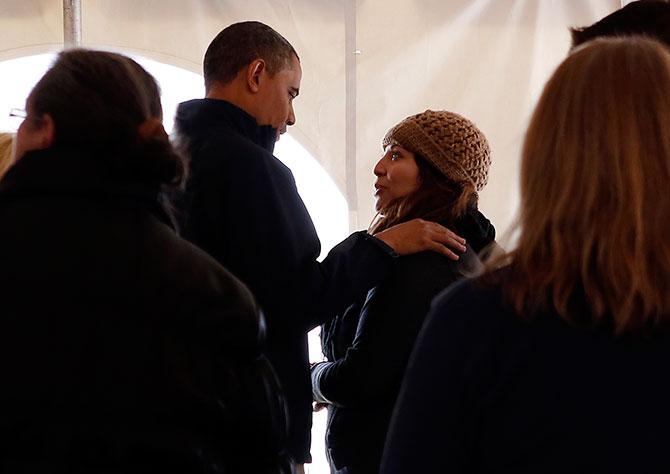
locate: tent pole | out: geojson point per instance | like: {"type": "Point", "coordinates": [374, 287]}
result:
{"type": "Point", "coordinates": [350, 55]}
{"type": "Point", "coordinates": [71, 23]}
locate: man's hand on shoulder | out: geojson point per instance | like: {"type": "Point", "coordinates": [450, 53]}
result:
{"type": "Point", "coordinates": [419, 235]}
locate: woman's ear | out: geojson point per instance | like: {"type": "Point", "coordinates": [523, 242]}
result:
{"type": "Point", "coordinates": [254, 72]}
{"type": "Point", "coordinates": [35, 133]}
{"type": "Point", "coordinates": [46, 133]}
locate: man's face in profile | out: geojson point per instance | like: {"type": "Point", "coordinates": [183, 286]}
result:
{"type": "Point", "coordinates": [276, 95]}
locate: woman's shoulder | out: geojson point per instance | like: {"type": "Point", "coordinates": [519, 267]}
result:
{"type": "Point", "coordinates": [427, 260]}
{"type": "Point", "coordinates": [477, 305]}
{"type": "Point", "coordinates": [424, 269]}
{"type": "Point", "coordinates": [472, 293]}
{"type": "Point", "coordinates": [437, 266]}
{"type": "Point", "coordinates": [484, 289]}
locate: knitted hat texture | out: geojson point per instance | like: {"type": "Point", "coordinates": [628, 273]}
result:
{"type": "Point", "coordinates": [450, 142]}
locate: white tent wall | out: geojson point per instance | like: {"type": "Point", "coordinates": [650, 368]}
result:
{"type": "Point", "coordinates": [178, 32]}
{"type": "Point", "coordinates": [30, 27]}
{"type": "Point", "coordinates": [485, 59]}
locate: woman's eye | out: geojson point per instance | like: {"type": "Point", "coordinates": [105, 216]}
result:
{"type": "Point", "coordinates": [394, 156]}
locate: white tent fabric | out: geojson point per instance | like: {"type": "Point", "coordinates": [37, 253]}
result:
{"type": "Point", "coordinates": [366, 65]}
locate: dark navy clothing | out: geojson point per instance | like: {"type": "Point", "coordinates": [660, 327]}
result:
{"type": "Point", "coordinates": [123, 348]}
{"type": "Point", "coordinates": [489, 391]}
{"type": "Point", "coordinates": [242, 206]}
{"type": "Point", "coordinates": [369, 345]}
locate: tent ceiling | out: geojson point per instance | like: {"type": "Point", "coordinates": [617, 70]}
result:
{"type": "Point", "coordinates": [486, 59]}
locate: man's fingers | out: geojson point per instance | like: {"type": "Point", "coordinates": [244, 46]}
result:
{"type": "Point", "coordinates": [447, 232]}
{"type": "Point", "coordinates": [454, 236]}
{"type": "Point", "coordinates": [451, 240]}
{"type": "Point", "coordinates": [446, 251]}
{"type": "Point", "coordinates": [457, 244]}
{"type": "Point", "coordinates": [418, 235]}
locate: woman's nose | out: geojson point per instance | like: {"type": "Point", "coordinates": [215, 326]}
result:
{"type": "Point", "coordinates": [379, 168]}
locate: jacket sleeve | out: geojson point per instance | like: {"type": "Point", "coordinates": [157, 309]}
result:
{"type": "Point", "coordinates": [247, 213]}
{"type": "Point", "coordinates": [351, 268]}
{"type": "Point", "coordinates": [432, 429]}
{"type": "Point", "coordinates": [390, 320]}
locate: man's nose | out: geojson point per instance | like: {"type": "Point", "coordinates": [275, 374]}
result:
{"type": "Point", "coordinates": [290, 120]}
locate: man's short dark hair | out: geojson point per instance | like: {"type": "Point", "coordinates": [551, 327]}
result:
{"type": "Point", "coordinates": [241, 43]}
{"type": "Point", "coordinates": [650, 18]}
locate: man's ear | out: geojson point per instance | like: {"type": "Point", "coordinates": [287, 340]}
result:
{"type": "Point", "coordinates": [255, 70]}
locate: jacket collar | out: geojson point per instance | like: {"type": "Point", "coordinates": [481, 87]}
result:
{"type": "Point", "coordinates": [68, 172]}
{"type": "Point", "coordinates": [197, 115]}
{"type": "Point", "coordinates": [475, 228]}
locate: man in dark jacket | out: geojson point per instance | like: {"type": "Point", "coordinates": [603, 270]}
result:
{"type": "Point", "coordinates": [242, 206]}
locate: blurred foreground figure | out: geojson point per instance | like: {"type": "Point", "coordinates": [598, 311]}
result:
{"type": "Point", "coordinates": [123, 348]}
{"type": "Point", "coordinates": [557, 362]}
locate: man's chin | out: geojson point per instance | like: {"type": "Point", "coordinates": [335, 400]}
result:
{"type": "Point", "coordinates": [280, 132]}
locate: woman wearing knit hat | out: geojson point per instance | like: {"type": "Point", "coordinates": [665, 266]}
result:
{"type": "Point", "coordinates": [432, 167]}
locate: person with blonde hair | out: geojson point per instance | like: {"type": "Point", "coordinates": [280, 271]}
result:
{"type": "Point", "coordinates": [557, 362]}
{"type": "Point", "coordinates": [6, 152]}
{"type": "Point", "coordinates": [433, 166]}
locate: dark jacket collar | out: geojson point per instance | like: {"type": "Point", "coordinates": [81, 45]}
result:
{"type": "Point", "coordinates": [197, 115]}
{"type": "Point", "coordinates": [475, 228]}
{"type": "Point", "coordinates": [60, 171]}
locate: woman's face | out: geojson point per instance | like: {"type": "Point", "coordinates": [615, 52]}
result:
{"type": "Point", "coordinates": [397, 176]}
{"type": "Point", "coordinates": [34, 133]}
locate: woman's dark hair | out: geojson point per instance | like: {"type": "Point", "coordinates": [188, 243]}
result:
{"type": "Point", "coordinates": [438, 199]}
{"type": "Point", "coordinates": [98, 101]}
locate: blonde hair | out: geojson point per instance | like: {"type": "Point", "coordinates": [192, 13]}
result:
{"type": "Point", "coordinates": [6, 148]}
{"type": "Point", "coordinates": [595, 189]}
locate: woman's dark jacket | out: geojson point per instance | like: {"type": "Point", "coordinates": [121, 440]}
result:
{"type": "Point", "coordinates": [489, 391]}
{"type": "Point", "coordinates": [369, 346]}
{"type": "Point", "coordinates": [123, 348]}
{"type": "Point", "coordinates": [243, 208]}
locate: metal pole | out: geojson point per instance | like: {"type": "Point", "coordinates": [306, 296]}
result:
{"type": "Point", "coordinates": [71, 23]}
{"type": "Point", "coordinates": [351, 53]}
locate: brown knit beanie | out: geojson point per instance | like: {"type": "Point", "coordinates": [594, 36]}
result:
{"type": "Point", "coordinates": [451, 143]}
